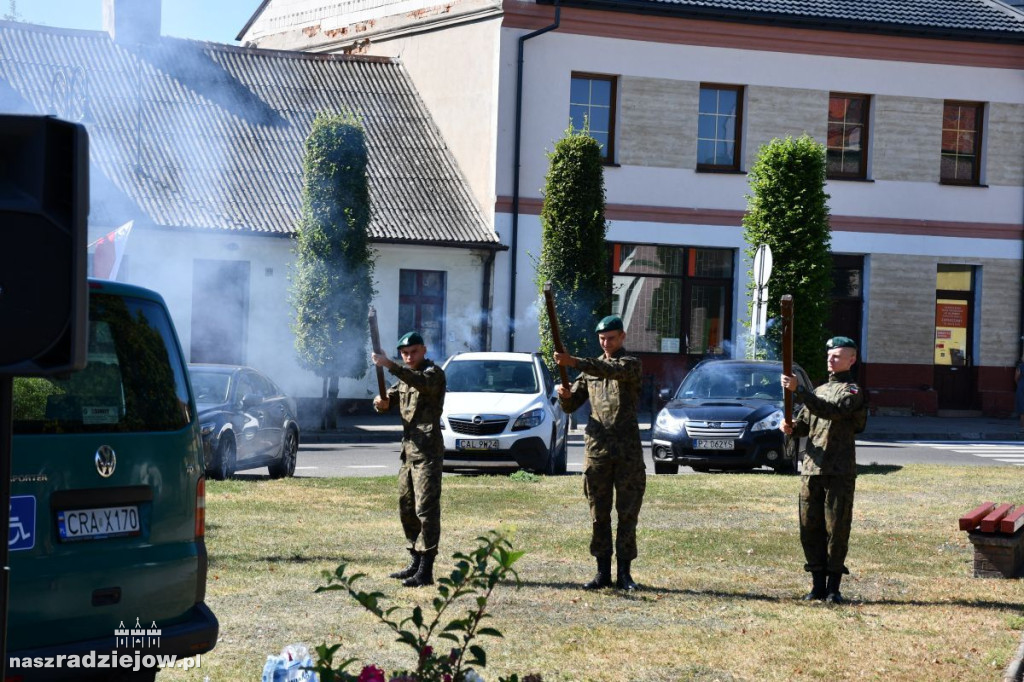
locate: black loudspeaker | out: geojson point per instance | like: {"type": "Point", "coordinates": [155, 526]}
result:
{"type": "Point", "coordinates": [44, 208]}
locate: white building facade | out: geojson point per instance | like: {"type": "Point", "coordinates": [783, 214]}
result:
{"type": "Point", "coordinates": [924, 123]}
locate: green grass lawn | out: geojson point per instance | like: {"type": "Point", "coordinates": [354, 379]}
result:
{"type": "Point", "coordinates": [720, 565]}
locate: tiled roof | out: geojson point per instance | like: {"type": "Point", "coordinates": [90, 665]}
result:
{"type": "Point", "coordinates": [939, 18]}
{"type": "Point", "coordinates": [210, 136]}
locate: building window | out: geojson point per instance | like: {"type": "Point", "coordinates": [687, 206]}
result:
{"type": "Point", "coordinates": [673, 299]}
{"type": "Point", "coordinates": [961, 143]}
{"type": "Point", "coordinates": [846, 154]}
{"type": "Point", "coordinates": [719, 123]}
{"type": "Point", "coordinates": [592, 107]}
{"type": "Point", "coordinates": [421, 297]}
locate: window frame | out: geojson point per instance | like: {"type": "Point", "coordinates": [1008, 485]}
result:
{"type": "Point", "coordinates": [979, 129]}
{"type": "Point", "coordinates": [687, 283]}
{"type": "Point", "coordinates": [608, 153]}
{"type": "Point", "coordinates": [862, 171]}
{"type": "Point", "coordinates": [737, 140]}
{"type": "Point", "coordinates": [419, 300]}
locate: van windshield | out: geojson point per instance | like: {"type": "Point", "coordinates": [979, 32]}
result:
{"type": "Point", "coordinates": [134, 379]}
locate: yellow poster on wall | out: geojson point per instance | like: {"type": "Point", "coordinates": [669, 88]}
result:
{"type": "Point", "coordinates": [950, 332]}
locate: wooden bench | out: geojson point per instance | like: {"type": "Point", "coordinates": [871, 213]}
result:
{"type": "Point", "coordinates": [997, 532]}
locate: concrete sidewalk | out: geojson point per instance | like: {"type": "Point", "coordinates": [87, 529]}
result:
{"type": "Point", "coordinates": [373, 428]}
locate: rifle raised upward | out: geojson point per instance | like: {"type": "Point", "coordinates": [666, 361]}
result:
{"type": "Point", "coordinates": [556, 337]}
{"type": "Point", "coordinates": [375, 342]}
{"type": "Point", "coordinates": [787, 351]}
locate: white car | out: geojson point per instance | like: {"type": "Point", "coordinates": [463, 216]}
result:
{"type": "Point", "coordinates": [501, 410]}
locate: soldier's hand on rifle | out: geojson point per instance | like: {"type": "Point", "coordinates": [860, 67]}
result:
{"type": "Point", "coordinates": [565, 359]}
{"type": "Point", "coordinates": [789, 383]}
{"type": "Point", "coordinates": [381, 404]}
{"type": "Point", "coordinates": [381, 360]}
{"type": "Point", "coordinates": [563, 392]}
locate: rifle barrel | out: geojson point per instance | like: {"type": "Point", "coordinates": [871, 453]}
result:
{"type": "Point", "coordinates": [556, 337]}
{"type": "Point", "coordinates": [787, 351]}
{"type": "Point", "coordinates": [375, 342]}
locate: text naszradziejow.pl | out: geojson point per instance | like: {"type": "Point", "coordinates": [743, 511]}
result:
{"type": "Point", "coordinates": [94, 661]}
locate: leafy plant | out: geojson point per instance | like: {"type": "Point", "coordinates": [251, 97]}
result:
{"type": "Point", "coordinates": [475, 575]}
{"type": "Point", "coordinates": [788, 210]}
{"type": "Point", "coordinates": [524, 476]}
{"type": "Point", "coordinates": [574, 256]}
{"type": "Point", "coordinates": [331, 283]}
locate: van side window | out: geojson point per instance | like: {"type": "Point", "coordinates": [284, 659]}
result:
{"type": "Point", "coordinates": [134, 379]}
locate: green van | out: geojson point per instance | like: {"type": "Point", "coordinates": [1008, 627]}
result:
{"type": "Point", "coordinates": [107, 550]}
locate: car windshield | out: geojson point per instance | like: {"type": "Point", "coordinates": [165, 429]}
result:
{"type": "Point", "coordinates": [732, 381]}
{"type": "Point", "coordinates": [209, 387]}
{"type": "Point", "coordinates": [491, 376]}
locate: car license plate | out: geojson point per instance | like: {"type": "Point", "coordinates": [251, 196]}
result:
{"type": "Point", "coordinates": [476, 444]}
{"type": "Point", "coordinates": [719, 444]}
{"type": "Point", "coordinates": [96, 524]}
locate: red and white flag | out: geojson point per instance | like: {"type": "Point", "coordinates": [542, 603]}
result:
{"type": "Point", "coordinates": [109, 249]}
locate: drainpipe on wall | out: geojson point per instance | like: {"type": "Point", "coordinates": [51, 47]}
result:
{"type": "Point", "coordinates": [515, 174]}
{"type": "Point", "coordinates": [485, 300]}
{"type": "Point", "coordinates": [1020, 313]}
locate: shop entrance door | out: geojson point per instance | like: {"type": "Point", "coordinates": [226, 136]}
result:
{"type": "Point", "coordinates": [954, 344]}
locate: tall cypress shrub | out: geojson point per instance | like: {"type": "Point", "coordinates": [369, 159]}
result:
{"type": "Point", "coordinates": [787, 209]}
{"type": "Point", "coordinates": [574, 256]}
{"type": "Point", "coordinates": [332, 277]}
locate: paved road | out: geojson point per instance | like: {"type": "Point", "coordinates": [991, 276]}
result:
{"type": "Point", "coordinates": [381, 459]}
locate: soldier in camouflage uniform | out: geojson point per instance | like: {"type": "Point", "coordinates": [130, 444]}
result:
{"type": "Point", "coordinates": [831, 417]}
{"type": "Point", "coordinates": [420, 394]}
{"type": "Point", "coordinates": [614, 465]}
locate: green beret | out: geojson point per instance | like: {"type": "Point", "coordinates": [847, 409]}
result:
{"type": "Point", "coordinates": [610, 324]}
{"type": "Point", "coordinates": [411, 339]}
{"type": "Point", "coordinates": [841, 342]}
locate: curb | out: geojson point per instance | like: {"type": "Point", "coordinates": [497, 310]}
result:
{"type": "Point", "coordinates": [394, 435]}
{"type": "Point", "coordinates": [353, 436]}
{"type": "Point", "coordinates": [960, 435]}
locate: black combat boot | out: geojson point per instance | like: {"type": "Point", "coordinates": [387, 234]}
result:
{"type": "Point", "coordinates": [410, 570]}
{"type": "Point", "coordinates": [424, 572]}
{"type": "Point", "coordinates": [833, 596]}
{"type": "Point", "coordinates": [818, 591]}
{"type": "Point", "coordinates": [625, 580]}
{"type": "Point", "coordinates": [604, 574]}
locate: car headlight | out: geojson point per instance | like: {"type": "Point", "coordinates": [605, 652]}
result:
{"type": "Point", "coordinates": [528, 420]}
{"type": "Point", "coordinates": [667, 422]}
{"type": "Point", "coordinates": [769, 423]}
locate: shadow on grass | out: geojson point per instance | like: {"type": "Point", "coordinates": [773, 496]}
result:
{"type": "Point", "coordinates": [852, 601]}
{"type": "Point", "coordinates": [877, 469]}
{"type": "Point", "coordinates": [293, 559]}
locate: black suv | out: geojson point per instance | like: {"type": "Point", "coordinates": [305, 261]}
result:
{"type": "Point", "coordinates": [726, 415]}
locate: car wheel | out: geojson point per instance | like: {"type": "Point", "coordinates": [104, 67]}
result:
{"type": "Point", "coordinates": [285, 467]}
{"type": "Point", "coordinates": [552, 468]}
{"type": "Point", "coordinates": [788, 467]}
{"type": "Point", "coordinates": [563, 452]}
{"type": "Point", "coordinates": [666, 468]}
{"type": "Point", "coordinates": [224, 462]}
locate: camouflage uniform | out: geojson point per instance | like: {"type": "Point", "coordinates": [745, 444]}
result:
{"type": "Point", "coordinates": [614, 462]}
{"type": "Point", "coordinates": [420, 396]}
{"type": "Point", "coordinates": [831, 416]}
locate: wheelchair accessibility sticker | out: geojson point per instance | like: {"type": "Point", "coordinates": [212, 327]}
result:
{"type": "Point", "coordinates": [22, 534]}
